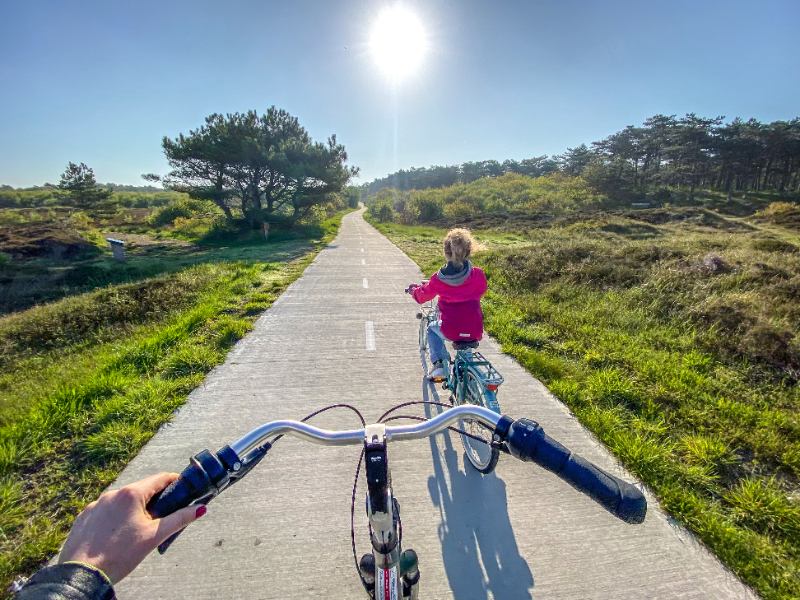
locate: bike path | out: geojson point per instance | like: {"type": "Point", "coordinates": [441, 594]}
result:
{"type": "Point", "coordinates": [346, 333]}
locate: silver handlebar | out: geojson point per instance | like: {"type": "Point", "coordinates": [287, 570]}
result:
{"type": "Point", "coordinates": [355, 437]}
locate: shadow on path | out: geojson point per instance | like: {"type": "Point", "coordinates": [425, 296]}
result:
{"type": "Point", "coordinates": [479, 548]}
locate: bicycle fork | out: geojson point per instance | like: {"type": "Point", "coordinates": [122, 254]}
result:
{"type": "Point", "coordinates": [388, 573]}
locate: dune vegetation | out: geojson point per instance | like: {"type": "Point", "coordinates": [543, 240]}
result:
{"type": "Point", "coordinates": [670, 331]}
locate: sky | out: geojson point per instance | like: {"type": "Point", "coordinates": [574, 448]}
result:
{"type": "Point", "coordinates": [102, 82]}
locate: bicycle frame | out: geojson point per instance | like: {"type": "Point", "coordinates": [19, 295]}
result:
{"type": "Point", "coordinates": [468, 361]}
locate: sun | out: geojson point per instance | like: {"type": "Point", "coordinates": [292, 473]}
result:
{"type": "Point", "coordinates": [398, 42]}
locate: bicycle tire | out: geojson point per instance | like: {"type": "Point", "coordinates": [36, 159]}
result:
{"type": "Point", "coordinates": [423, 333]}
{"type": "Point", "coordinates": [481, 456]}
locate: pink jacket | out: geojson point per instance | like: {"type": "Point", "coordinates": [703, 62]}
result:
{"type": "Point", "coordinates": [459, 305]}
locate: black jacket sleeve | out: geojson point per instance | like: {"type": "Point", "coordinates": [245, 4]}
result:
{"type": "Point", "coordinates": [68, 581]}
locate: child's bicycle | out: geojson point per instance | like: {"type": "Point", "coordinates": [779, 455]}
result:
{"type": "Point", "coordinates": [471, 379]}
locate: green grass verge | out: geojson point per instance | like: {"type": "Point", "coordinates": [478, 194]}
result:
{"type": "Point", "coordinates": [674, 341]}
{"type": "Point", "coordinates": [88, 380]}
{"type": "Point", "coordinates": [25, 283]}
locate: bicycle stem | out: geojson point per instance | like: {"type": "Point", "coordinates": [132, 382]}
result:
{"type": "Point", "coordinates": [391, 579]}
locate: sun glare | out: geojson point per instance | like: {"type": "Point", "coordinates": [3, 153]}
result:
{"type": "Point", "coordinates": [398, 42]}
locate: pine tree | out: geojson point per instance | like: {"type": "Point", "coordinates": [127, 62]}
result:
{"type": "Point", "coordinates": [78, 188]}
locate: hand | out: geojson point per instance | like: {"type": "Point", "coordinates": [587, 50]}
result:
{"type": "Point", "coordinates": [116, 533]}
{"type": "Point", "coordinates": [411, 287]}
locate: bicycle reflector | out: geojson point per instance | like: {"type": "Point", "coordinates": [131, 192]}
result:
{"type": "Point", "coordinates": [492, 386]}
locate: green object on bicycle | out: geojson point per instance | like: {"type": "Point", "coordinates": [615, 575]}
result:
{"type": "Point", "coordinates": [471, 379]}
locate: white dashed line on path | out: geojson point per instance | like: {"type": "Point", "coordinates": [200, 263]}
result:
{"type": "Point", "coordinates": [366, 283]}
{"type": "Point", "coordinates": [370, 334]}
{"type": "Point", "coordinates": [362, 249]}
{"type": "Point", "coordinates": [363, 262]}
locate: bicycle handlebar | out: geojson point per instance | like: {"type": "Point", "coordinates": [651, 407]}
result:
{"type": "Point", "coordinates": [208, 474]}
{"type": "Point", "coordinates": [527, 441]}
{"type": "Point", "coordinates": [355, 437]}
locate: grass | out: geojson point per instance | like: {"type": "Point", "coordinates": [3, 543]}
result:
{"type": "Point", "coordinates": [49, 254]}
{"type": "Point", "coordinates": [89, 379]}
{"type": "Point", "coordinates": [672, 335]}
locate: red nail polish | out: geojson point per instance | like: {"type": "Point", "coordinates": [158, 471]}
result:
{"type": "Point", "coordinates": [201, 510]}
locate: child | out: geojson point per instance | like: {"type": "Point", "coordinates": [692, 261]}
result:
{"type": "Point", "coordinates": [459, 286]}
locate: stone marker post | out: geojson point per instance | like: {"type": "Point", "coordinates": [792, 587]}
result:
{"type": "Point", "coordinates": [118, 248]}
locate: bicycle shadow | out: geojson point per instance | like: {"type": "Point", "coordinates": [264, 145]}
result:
{"type": "Point", "coordinates": [479, 548]}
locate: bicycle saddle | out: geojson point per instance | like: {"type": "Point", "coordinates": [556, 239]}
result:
{"type": "Point", "coordinates": [463, 345]}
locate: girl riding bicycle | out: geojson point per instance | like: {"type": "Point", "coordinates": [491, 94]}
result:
{"type": "Point", "coordinates": [460, 287]}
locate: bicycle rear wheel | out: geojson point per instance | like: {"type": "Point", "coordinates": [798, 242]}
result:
{"type": "Point", "coordinates": [482, 456]}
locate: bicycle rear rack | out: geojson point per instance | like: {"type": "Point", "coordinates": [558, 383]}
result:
{"type": "Point", "coordinates": [491, 377]}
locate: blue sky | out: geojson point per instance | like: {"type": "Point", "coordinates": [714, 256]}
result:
{"type": "Point", "coordinates": [103, 82]}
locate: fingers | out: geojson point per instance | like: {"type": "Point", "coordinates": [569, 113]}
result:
{"type": "Point", "coordinates": [155, 483]}
{"type": "Point", "coordinates": [178, 520]}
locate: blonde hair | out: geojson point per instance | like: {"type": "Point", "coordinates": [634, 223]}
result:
{"type": "Point", "coordinates": [458, 244]}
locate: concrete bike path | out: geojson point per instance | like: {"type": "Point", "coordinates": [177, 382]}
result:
{"type": "Point", "coordinates": [345, 333]}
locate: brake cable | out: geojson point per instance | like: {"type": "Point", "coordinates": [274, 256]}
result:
{"type": "Point", "coordinates": [322, 410]}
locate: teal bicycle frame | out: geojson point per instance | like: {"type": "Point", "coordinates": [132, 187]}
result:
{"type": "Point", "coordinates": [471, 379]}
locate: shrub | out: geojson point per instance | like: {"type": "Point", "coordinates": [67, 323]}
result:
{"type": "Point", "coordinates": [9, 217]}
{"type": "Point", "coordinates": [459, 210]}
{"type": "Point", "coordinates": [187, 208]}
{"type": "Point", "coordinates": [182, 224]}
{"type": "Point", "coordinates": [552, 194]}
{"type": "Point", "coordinates": [382, 211]}
{"type": "Point", "coordinates": [425, 206]}
{"type": "Point", "coordinates": [78, 220]}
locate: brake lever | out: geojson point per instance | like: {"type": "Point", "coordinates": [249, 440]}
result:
{"type": "Point", "coordinates": [501, 446]}
{"type": "Point", "coordinates": [248, 463]}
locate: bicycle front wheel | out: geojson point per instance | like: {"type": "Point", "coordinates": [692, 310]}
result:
{"type": "Point", "coordinates": [423, 332]}
{"type": "Point", "coordinates": [482, 456]}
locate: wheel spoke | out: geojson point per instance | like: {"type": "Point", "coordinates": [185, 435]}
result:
{"type": "Point", "coordinates": [482, 456]}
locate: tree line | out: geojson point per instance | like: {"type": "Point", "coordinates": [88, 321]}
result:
{"type": "Point", "coordinates": [437, 176]}
{"type": "Point", "coordinates": [78, 188]}
{"type": "Point", "coordinates": [691, 152]}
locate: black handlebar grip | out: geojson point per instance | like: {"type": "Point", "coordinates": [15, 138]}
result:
{"type": "Point", "coordinates": [527, 441]}
{"type": "Point", "coordinates": [192, 484]}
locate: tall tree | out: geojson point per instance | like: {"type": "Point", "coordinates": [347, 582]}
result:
{"type": "Point", "coordinates": [265, 166]}
{"type": "Point", "coordinates": [200, 163]}
{"type": "Point", "coordinates": [575, 159]}
{"type": "Point", "coordinates": [691, 149]}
